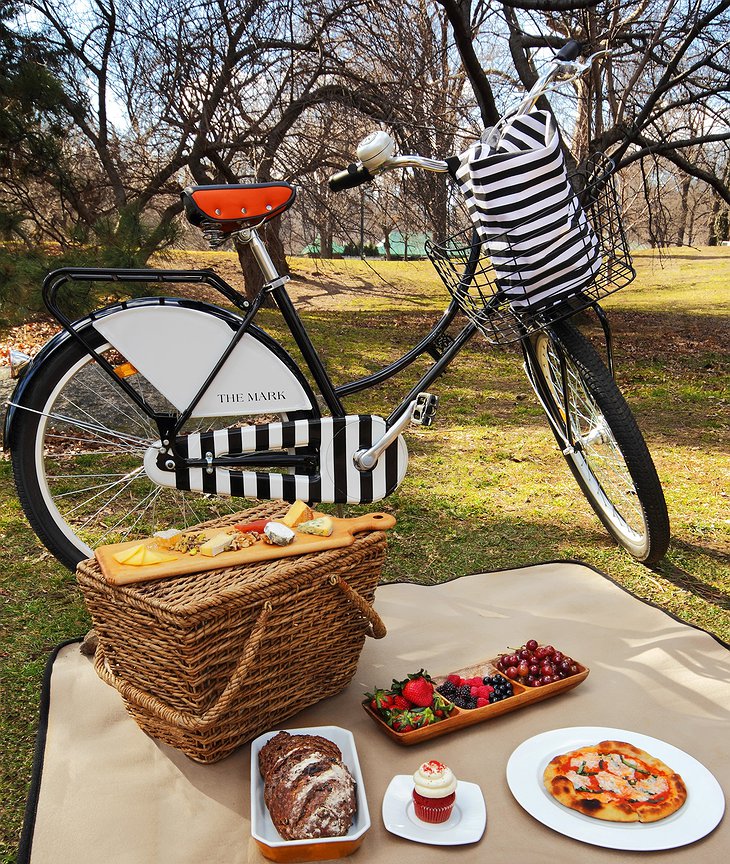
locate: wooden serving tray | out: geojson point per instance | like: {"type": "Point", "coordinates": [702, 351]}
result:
{"type": "Point", "coordinates": [342, 535]}
{"type": "Point", "coordinates": [459, 718]}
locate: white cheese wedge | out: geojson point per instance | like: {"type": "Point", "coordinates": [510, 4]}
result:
{"type": "Point", "coordinates": [278, 533]}
{"type": "Point", "coordinates": [216, 545]}
{"type": "Point", "coordinates": [167, 535]}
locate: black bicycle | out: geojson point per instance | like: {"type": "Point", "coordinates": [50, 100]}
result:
{"type": "Point", "coordinates": [162, 411]}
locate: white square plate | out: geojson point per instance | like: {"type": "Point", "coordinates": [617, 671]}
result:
{"type": "Point", "coordinates": [465, 825]}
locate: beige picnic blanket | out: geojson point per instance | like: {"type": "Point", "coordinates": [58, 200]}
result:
{"type": "Point", "coordinates": [110, 793]}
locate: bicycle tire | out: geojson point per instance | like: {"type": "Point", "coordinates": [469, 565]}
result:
{"type": "Point", "coordinates": [80, 479]}
{"type": "Point", "coordinates": [611, 464]}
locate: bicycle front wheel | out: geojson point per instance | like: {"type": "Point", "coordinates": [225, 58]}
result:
{"type": "Point", "coordinates": [78, 447]}
{"type": "Point", "coordinates": [608, 457]}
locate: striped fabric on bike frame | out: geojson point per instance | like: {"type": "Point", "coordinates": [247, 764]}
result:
{"type": "Point", "coordinates": [541, 245]}
{"type": "Point", "coordinates": [334, 439]}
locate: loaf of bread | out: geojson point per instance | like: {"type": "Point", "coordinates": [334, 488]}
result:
{"type": "Point", "coordinates": [308, 790]}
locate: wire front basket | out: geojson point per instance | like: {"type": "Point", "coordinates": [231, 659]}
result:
{"type": "Point", "coordinates": [490, 277]}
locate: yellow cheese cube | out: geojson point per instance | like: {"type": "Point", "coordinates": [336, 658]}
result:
{"type": "Point", "coordinates": [298, 512]}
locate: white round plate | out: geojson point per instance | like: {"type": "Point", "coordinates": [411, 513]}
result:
{"type": "Point", "coordinates": [465, 825]}
{"type": "Point", "coordinates": [699, 814]}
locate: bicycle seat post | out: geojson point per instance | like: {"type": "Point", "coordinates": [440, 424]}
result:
{"type": "Point", "coordinates": [251, 237]}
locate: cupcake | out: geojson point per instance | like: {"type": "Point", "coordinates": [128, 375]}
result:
{"type": "Point", "coordinates": [434, 792]}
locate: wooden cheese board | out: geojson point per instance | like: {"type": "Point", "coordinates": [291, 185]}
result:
{"type": "Point", "coordinates": [459, 718]}
{"type": "Point", "coordinates": [343, 534]}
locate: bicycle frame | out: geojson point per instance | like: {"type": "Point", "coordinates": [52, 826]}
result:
{"type": "Point", "coordinates": [441, 347]}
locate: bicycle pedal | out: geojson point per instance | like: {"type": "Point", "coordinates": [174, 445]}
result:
{"type": "Point", "coordinates": [425, 408]}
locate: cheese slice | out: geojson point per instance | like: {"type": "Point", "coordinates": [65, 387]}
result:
{"type": "Point", "coordinates": [124, 555]}
{"type": "Point", "coordinates": [138, 557]}
{"type": "Point", "coordinates": [298, 512]}
{"type": "Point", "coordinates": [323, 526]}
{"type": "Point", "coordinates": [216, 545]}
{"type": "Point", "coordinates": [152, 556]}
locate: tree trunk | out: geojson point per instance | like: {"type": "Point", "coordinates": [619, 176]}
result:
{"type": "Point", "coordinates": [684, 196]}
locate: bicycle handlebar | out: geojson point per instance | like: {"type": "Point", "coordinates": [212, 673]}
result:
{"type": "Point", "coordinates": [570, 51]}
{"type": "Point", "coordinates": [354, 175]}
{"type": "Point", "coordinates": [562, 68]}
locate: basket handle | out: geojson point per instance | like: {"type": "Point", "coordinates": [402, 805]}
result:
{"type": "Point", "coordinates": [193, 722]}
{"type": "Point", "coordinates": [377, 628]}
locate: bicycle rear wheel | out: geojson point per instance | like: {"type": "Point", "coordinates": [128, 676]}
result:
{"type": "Point", "coordinates": [609, 460]}
{"type": "Point", "coordinates": [78, 446]}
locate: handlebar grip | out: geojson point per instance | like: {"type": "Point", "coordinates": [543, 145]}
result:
{"type": "Point", "coordinates": [570, 51]}
{"type": "Point", "coordinates": [353, 175]}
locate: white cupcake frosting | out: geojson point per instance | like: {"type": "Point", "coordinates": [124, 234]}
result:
{"type": "Point", "coordinates": [434, 780]}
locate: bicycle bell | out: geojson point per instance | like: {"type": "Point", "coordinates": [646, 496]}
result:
{"type": "Point", "coordinates": [376, 149]}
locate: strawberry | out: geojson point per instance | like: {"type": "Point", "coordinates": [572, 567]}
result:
{"type": "Point", "coordinates": [401, 703]}
{"type": "Point", "coordinates": [419, 691]}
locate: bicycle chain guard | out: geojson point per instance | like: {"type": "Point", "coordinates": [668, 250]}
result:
{"type": "Point", "coordinates": [332, 441]}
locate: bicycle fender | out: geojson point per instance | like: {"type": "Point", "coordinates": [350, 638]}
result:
{"type": "Point", "coordinates": [175, 348]}
{"type": "Point", "coordinates": [30, 373]}
{"type": "Point", "coordinates": [258, 347]}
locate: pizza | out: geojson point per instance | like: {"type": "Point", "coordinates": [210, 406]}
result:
{"type": "Point", "coordinates": [615, 781]}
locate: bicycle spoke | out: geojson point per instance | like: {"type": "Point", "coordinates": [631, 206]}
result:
{"type": "Point", "coordinates": [86, 426]}
{"type": "Point", "coordinates": [597, 445]}
{"type": "Point", "coordinates": [114, 405]}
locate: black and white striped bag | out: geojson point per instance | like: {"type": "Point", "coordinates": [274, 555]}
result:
{"type": "Point", "coordinates": [541, 245]}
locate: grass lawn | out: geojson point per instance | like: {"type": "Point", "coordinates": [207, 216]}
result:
{"type": "Point", "coordinates": [486, 487]}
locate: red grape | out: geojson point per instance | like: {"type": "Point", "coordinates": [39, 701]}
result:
{"type": "Point", "coordinates": [547, 669]}
{"type": "Point", "coordinates": [531, 644]}
{"type": "Point", "coordinates": [523, 669]}
{"type": "Point", "coordinates": [511, 672]}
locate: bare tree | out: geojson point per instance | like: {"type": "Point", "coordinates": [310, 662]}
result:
{"type": "Point", "coordinates": [663, 94]}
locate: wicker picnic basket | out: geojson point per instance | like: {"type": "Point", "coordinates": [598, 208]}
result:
{"type": "Point", "coordinates": [208, 661]}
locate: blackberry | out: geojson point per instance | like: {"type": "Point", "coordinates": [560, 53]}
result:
{"type": "Point", "coordinates": [464, 690]}
{"type": "Point", "coordinates": [448, 689]}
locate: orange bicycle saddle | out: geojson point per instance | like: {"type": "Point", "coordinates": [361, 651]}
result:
{"type": "Point", "coordinates": [233, 206]}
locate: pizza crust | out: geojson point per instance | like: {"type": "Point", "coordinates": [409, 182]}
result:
{"type": "Point", "coordinates": [611, 805]}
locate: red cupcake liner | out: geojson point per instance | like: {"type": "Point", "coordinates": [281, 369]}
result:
{"type": "Point", "coordinates": [433, 810]}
